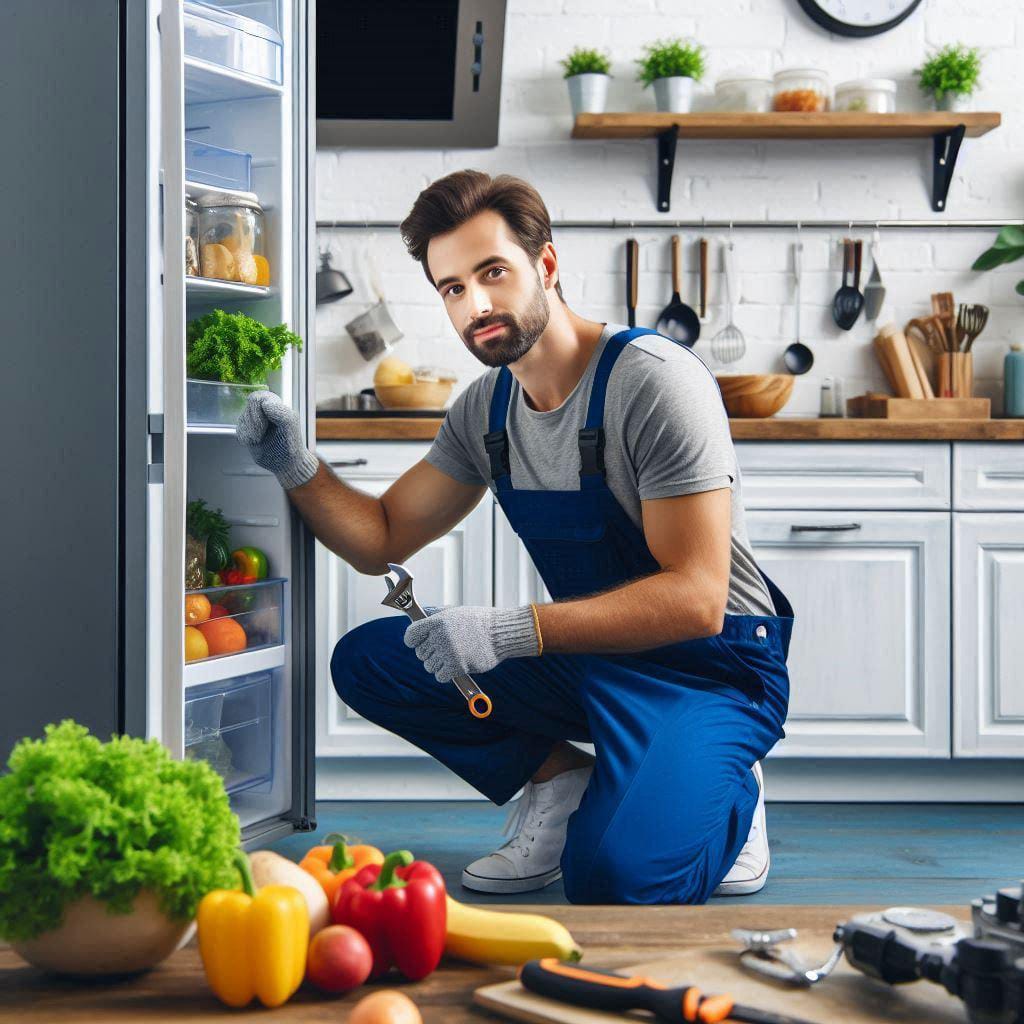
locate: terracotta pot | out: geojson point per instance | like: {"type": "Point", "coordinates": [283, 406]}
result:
{"type": "Point", "coordinates": [92, 942]}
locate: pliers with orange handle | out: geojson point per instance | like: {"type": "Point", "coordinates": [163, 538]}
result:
{"type": "Point", "coordinates": [617, 993]}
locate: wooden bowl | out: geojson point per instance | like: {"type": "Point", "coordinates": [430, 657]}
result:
{"type": "Point", "coordinates": [420, 394]}
{"type": "Point", "coordinates": [90, 942]}
{"type": "Point", "coordinates": [755, 395]}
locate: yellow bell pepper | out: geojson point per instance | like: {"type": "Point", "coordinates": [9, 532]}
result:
{"type": "Point", "coordinates": [253, 943]}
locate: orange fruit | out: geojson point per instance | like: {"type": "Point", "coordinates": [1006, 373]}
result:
{"type": "Point", "coordinates": [197, 608]}
{"type": "Point", "coordinates": [196, 646]}
{"type": "Point", "coordinates": [223, 636]}
{"type": "Point", "coordinates": [262, 269]}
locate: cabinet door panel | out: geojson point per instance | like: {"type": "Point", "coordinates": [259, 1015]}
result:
{"type": "Point", "coordinates": [988, 476]}
{"type": "Point", "coordinates": [454, 569]}
{"type": "Point", "coordinates": [988, 681]}
{"type": "Point", "coordinates": [869, 658]}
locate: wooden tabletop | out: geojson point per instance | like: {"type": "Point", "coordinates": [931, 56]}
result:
{"type": "Point", "coordinates": [398, 428]}
{"type": "Point", "coordinates": [610, 936]}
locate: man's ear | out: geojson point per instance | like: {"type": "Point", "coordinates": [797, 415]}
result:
{"type": "Point", "coordinates": [547, 265]}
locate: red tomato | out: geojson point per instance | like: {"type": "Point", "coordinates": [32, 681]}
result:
{"type": "Point", "coordinates": [217, 611]}
{"type": "Point", "coordinates": [339, 959]}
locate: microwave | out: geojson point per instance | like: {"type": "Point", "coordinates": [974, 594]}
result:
{"type": "Point", "coordinates": [409, 73]}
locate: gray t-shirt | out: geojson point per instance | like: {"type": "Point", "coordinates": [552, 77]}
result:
{"type": "Point", "coordinates": [666, 433]}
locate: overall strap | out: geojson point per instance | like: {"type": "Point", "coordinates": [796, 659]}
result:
{"type": "Point", "coordinates": [496, 438]}
{"type": "Point", "coordinates": [591, 437]}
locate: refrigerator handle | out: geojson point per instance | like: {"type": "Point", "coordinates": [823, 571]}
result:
{"type": "Point", "coordinates": [155, 467]}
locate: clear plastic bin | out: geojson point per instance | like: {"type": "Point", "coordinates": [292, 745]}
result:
{"type": "Point", "coordinates": [806, 90]}
{"type": "Point", "coordinates": [245, 617]}
{"type": "Point", "coordinates": [212, 403]}
{"type": "Point", "coordinates": [231, 40]}
{"type": "Point", "coordinates": [230, 725]}
{"type": "Point", "coordinates": [866, 95]}
{"type": "Point", "coordinates": [217, 167]}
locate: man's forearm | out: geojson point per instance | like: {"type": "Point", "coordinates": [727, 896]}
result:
{"type": "Point", "coordinates": [667, 607]}
{"type": "Point", "coordinates": [351, 523]}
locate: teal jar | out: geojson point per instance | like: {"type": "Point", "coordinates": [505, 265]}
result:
{"type": "Point", "coordinates": [1013, 381]}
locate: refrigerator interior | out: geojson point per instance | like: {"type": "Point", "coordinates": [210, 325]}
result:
{"type": "Point", "coordinates": [238, 708]}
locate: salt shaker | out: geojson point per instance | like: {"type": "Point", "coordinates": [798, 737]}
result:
{"type": "Point", "coordinates": [828, 398]}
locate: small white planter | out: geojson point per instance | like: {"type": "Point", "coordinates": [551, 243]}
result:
{"type": "Point", "coordinates": [673, 95]}
{"type": "Point", "coordinates": [588, 93]}
{"type": "Point", "coordinates": [954, 101]}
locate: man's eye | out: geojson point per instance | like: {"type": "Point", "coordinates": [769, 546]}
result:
{"type": "Point", "coordinates": [496, 270]}
{"type": "Point", "coordinates": [452, 290]}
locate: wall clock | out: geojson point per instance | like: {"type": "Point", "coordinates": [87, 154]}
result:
{"type": "Point", "coordinates": [859, 17]}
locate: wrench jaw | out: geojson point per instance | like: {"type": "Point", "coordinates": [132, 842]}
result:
{"type": "Point", "coordinates": [399, 596]}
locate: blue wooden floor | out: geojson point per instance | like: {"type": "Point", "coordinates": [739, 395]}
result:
{"type": "Point", "coordinates": [821, 853]}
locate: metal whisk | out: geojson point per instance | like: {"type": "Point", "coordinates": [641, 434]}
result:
{"type": "Point", "coordinates": [729, 345]}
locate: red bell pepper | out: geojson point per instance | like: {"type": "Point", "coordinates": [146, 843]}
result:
{"type": "Point", "coordinates": [400, 909]}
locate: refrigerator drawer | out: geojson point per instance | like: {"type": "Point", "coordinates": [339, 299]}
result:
{"type": "Point", "coordinates": [229, 620]}
{"type": "Point", "coordinates": [211, 403]}
{"type": "Point", "coordinates": [232, 41]}
{"type": "Point", "coordinates": [230, 725]}
{"type": "Point", "coordinates": [220, 168]}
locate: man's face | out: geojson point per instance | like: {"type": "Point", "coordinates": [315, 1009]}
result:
{"type": "Point", "coordinates": [492, 290]}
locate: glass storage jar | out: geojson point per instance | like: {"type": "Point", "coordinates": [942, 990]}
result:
{"type": "Point", "coordinates": [231, 237]}
{"type": "Point", "coordinates": [866, 95]}
{"type": "Point", "coordinates": [801, 89]}
{"type": "Point", "coordinates": [752, 95]}
{"type": "Point", "coordinates": [191, 238]}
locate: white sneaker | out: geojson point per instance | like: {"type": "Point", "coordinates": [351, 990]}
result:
{"type": "Point", "coordinates": [530, 859]}
{"type": "Point", "coordinates": [750, 871]}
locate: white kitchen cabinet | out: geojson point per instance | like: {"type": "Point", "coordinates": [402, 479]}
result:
{"type": "Point", "coordinates": [988, 476]}
{"type": "Point", "coordinates": [457, 568]}
{"type": "Point", "coordinates": [869, 659]}
{"type": "Point", "coordinates": [988, 665]}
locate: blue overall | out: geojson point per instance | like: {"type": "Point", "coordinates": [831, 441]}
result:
{"type": "Point", "coordinates": [675, 729]}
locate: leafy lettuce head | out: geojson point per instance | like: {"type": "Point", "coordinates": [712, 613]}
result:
{"type": "Point", "coordinates": [79, 816]}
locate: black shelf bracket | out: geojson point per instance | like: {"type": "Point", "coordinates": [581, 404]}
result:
{"type": "Point", "coordinates": [666, 164]}
{"type": "Point", "coordinates": [945, 148]}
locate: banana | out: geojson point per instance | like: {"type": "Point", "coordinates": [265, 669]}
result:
{"type": "Point", "coordinates": [499, 937]}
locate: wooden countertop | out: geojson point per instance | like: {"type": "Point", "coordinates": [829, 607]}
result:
{"type": "Point", "coordinates": [399, 428]}
{"type": "Point", "coordinates": [611, 936]}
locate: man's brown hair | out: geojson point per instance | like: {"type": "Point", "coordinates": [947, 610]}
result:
{"type": "Point", "coordinates": [450, 201]}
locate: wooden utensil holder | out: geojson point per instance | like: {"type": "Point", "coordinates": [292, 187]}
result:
{"type": "Point", "coordinates": [955, 375]}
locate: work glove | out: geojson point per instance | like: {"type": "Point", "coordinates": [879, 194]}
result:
{"type": "Point", "coordinates": [460, 641]}
{"type": "Point", "coordinates": [273, 434]}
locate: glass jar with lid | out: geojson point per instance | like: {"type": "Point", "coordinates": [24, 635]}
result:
{"type": "Point", "coordinates": [191, 237]}
{"type": "Point", "coordinates": [866, 95]}
{"type": "Point", "coordinates": [746, 94]}
{"type": "Point", "coordinates": [231, 237]}
{"type": "Point", "coordinates": [801, 89]}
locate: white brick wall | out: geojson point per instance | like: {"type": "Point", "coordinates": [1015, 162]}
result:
{"type": "Point", "coordinates": [599, 180]}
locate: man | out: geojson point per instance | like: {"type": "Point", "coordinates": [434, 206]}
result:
{"type": "Point", "coordinates": [609, 451]}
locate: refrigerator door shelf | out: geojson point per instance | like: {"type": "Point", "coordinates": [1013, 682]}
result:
{"type": "Point", "coordinates": [255, 610]}
{"type": "Point", "coordinates": [212, 289]}
{"type": "Point", "coordinates": [213, 403]}
{"type": "Point", "coordinates": [232, 42]}
{"type": "Point", "coordinates": [216, 167]}
{"type": "Point", "coordinates": [230, 725]}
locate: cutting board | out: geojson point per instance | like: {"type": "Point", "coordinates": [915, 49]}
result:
{"type": "Point", "coordinates": [846, 995]}
{"type": "Point", "coordinates": [884, 407]}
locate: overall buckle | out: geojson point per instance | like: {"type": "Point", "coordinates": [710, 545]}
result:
{"type": "Point", "coordinates": [496, 446]}
{"type": "Point", "coordinates": [591, 443]}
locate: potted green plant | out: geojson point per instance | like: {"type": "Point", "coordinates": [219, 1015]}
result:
{"type": "Point", "coordinates": [587, 73]}
{"type": "Point", "coordinates": [672, 66]}
{"type": "Point", "coordinates": [107, 850]}
{"type": "Point", "coordinates": [950, 76]}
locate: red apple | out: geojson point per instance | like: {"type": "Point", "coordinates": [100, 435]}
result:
{"type": "Point", "coordinates": [339, 959]}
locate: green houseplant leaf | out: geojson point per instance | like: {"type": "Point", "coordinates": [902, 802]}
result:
{"type": "Point", "coordinates": [581, 61]}
{"type": "Point", "coordinates": [670, 58]}
{"type": "Point", "coordinates": [955, 68]}
{"type": "Point", "coordinates": [1008, 246]}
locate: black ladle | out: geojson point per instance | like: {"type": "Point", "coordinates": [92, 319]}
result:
{"type": "Point", "coordinates": [848, 301]}
{"type": "Point", "coordinates": [798, 358]}
{"type": "Point", "coordinates": [678, 321]}
{"type": "Point", "coordinates": [331, 284]}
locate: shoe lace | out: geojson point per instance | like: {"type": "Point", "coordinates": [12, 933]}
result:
{"type": "Point", "coordinates": [524, 819]}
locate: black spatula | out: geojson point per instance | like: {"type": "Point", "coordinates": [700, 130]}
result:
{"type": "Point", "coordinates": [678, 321]}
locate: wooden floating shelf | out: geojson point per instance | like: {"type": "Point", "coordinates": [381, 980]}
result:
{"type": "Point", "coordinates": [946, 129]}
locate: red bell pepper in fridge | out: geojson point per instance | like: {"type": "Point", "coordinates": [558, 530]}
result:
{"type": "Point", "coordinates": [399, 907]}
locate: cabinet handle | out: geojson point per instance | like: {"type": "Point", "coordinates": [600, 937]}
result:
{"type": "Point", "coordinates": [350, 462]}
{"type": "Point", "coordinates": [825, 528]}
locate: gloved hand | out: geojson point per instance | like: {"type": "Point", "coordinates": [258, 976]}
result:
{"type": "Point", "coordinates": [459, 641]}
{"type": "Point", "coordinates": [273, 434]}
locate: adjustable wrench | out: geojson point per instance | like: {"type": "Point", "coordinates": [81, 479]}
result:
{"type": "Point", "coordinates": [400, 597]}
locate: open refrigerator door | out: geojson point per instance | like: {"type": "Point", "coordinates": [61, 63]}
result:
{"type": "Point", "coordinates": [230, 651]}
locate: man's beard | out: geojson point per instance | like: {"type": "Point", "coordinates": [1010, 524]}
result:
{"type": "Point", "coordinates": [520, 333]}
